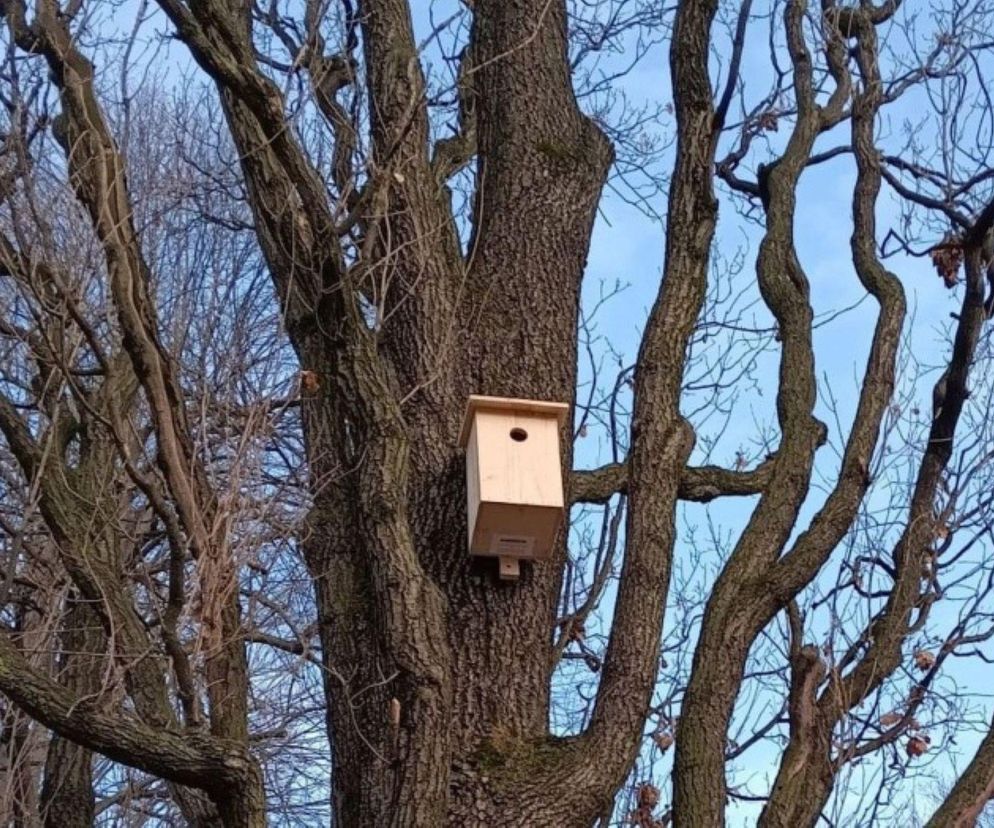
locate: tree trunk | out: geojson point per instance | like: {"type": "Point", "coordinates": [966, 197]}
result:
{"type": "Point", "coordinates": [22, 749]}
{"type": "Point", "coordinates": [67, 790]}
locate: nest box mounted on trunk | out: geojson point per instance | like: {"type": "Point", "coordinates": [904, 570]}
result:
{"type": "Point", "coordinates": [514, 479]}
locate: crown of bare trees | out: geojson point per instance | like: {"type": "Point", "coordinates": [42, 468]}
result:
{"type": "Point", "coordinates": [255, 256]}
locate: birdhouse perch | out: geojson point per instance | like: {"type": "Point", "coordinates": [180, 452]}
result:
{"type": "Point", "coordinates": [514, 482]}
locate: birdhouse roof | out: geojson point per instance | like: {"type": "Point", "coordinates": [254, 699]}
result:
{"type": "Point", "coordinates": [511, 405]}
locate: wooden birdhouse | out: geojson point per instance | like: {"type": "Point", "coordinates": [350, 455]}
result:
{"type": "Point", "coordinates": [514, 479]}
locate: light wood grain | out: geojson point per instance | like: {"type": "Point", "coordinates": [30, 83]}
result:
{"type": "Point", "coordinates": [514, 487]}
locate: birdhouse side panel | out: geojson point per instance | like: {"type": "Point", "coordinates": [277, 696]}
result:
{"type": "Point", "coordinates": [472, 483]}
{"type": "Point", "coordinates": [518, 459]}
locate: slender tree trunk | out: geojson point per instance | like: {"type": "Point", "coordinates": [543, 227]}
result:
{"type": "Point", "coordinates": [67, 799]}
{"type": "Point", "coordinates": [23, 749]}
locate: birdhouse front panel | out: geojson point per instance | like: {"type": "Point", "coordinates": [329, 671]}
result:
{"type": "Point", "coordinates": [514, 480]}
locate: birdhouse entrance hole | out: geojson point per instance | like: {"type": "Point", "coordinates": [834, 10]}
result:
{"type": "Point", "coordinates": [514, 487]}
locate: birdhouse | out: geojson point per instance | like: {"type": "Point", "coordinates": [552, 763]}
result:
{"type": "Point", "coordinates": [514, 480]}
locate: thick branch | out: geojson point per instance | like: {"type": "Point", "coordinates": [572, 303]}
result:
{"type": "Point", "coordinates": [734, 615]}
{"type": "Point", "coordinates": [453, 153]}
{"type": "Point", "coordinates": [698, 484]}
{"type": "Point", "coordinates": [22, 444]}
{"type": "Point", "coordinates": [662, 440]}
{"type": "Point", "coordinates": [188, 758]}
{"type": "Point", "coordinates": [835, 518]}
{"type": "Point", "coordinates": [293, 219]}
{"type": "Point", "coordinates": [972, 792]}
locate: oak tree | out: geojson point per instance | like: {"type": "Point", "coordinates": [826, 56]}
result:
{"type": "Point", "coordinates": [255, 257]}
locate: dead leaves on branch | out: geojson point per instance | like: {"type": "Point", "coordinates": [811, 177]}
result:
{"type": "Point", "coordinates": [896, 717]}
{"type": "Point", "coordinates": [646, 800]}
{"type": "Point", "coordinates": [768, 121]}
{"type": "Point", "coordinates": [947, 259]}
{"type": "Point", "coordinates": [918, 742]}
{"type": "Point", "coordinates": [573, 629]}
{"type": "Point", "coordinates": [924, 660]}
{"type": "Point", "coordinates": [664, 735]}
{"type": "Point", "coordinates": [647, 795]}
{"type": "Point", "coordinates": [918, 745]}
{"type": "Point", "coordinates": [891, 719]}
{"type": "Point", "coordinates": [900, 722]}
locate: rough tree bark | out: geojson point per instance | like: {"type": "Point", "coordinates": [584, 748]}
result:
{"type": "Point", "coordinates": [67, 791]}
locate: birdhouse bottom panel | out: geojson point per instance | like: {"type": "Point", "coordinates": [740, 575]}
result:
{"type": "Point", "coordinates": [507, 530]}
